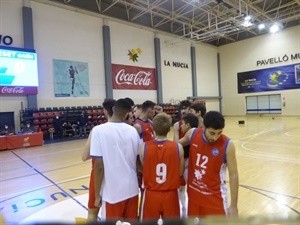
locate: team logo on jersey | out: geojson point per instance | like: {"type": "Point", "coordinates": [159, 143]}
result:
{"type": "Point", "coordinates": [215, 152]}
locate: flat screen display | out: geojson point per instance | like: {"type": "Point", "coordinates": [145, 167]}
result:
{"type": "Point", "coordinates": [18, 71]}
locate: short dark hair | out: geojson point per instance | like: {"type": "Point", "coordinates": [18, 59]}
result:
{"type": "Point", "coordinates": [214, 119]}
{"type": "Point", "coordinates": [190, 119]}
{"type": "Point", "coordinates": [131, 102]}
{"type": "Point", "coordinates": [184, 104]}
{"type": "Point", "coordinates": [121, 107]}
{"type": "Point", "coordinates": [108, 105]}
{"type": "Point", "coordinates": [199, 107]}
{"type": "Point", "coordinates": [162, 123]}
{"type": "Point", "coordinates": [148, 105]}
{"type": "Point", "coordinates": [139, 106]}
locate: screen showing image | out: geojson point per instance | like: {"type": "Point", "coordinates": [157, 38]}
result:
{"type": "Point", "coordinates": [18, 67]}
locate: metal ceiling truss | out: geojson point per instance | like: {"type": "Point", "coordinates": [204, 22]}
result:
{"type": "Point", "coordinates": [215, 22]}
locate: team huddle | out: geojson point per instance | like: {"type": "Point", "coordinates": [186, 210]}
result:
{"type": "Point", "coordinates": [132, 156]}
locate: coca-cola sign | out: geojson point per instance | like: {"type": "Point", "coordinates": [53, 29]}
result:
{"type": "Point", "coordinates": [17, 90]}
{"type": "Point", "coordinates": [132, 77]}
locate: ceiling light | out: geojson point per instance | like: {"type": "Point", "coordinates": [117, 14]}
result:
{"type": "Point", "coordinates": [261, 26]}
{"type": "Point", "coordinates": [247, 18]}
{"type": "Point", "coordinates": [247, 23]}
{"type": "Point", "coordinates": [274, 28]}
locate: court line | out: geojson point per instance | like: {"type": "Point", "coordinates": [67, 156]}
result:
{"type": "Point", "coordinates": [54, 184]}
{"type": "Point", "coordinates": [15, 195]}
{"type": "Point", "coordinates": [268, 158]}
{"type": "Point", "coordinates": [250, 137]}
{"type": "Point", "coordinates": [273, 192]}
{"type": "Point", "coordinates": [258, 154]}
{"type": "Point", "coordinates": [259, 192]}
{"type": "Point", "coordinates": [47, 171]}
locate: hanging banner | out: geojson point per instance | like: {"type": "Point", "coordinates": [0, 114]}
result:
{"type": "Point", "coordinates": [271, 79]}
{"type": "Point", "coordinates": [133, 78]}
{"type": "Point", "coordinates": [71, 79]}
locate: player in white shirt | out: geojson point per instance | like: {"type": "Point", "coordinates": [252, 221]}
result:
{"type": "Point", "coordinates": [115, 145]}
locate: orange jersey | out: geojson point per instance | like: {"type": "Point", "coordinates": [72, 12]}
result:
{"type": "Point", "coordinates": [207, 171]}
{"type": "Point", "coordinates": [161, 165]}
{"type": "Point", "coordinates": [147, 129]}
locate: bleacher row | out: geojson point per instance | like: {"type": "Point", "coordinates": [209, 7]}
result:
{"type": "Point", "coordinates": [52, 114]}
{"type": "Point", "coordinates": [42, 119]}
{"type": "Point", "coordinates": [61, 108]}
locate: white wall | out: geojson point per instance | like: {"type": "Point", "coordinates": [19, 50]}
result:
{"type": "Point", "coordinates": [207, 75]}
{"type": "Point", "coordinates": [67, 36]}
{"type": "Point", "coordinates": [243, 56]}
{"type": "Point", "coordinates": [176, 81]}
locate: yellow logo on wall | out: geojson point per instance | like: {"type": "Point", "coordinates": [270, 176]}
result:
{"type": "Point", "coordinates": [134, 54]}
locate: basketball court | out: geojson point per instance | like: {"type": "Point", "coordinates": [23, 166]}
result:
{"type": "Point", "coordinates": [50, 182]}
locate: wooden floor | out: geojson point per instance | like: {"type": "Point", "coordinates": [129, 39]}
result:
{"type": "Point", "coordinates": [50, 182]}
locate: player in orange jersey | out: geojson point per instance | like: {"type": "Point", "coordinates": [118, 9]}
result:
{"type": "Point", "coordinates": [163, 165]}
{"type": "Point", "coordinates": [211, 155]}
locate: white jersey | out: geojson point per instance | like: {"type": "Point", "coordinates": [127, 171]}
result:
{"type": "Point", "coordinates": [118, 144]}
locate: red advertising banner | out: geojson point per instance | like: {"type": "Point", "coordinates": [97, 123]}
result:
{"type": "Point", "coordinates": [133, 78]}
{"type": "Point", "coordinates": [18, 90]}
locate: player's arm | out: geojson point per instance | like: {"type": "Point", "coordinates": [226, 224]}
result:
{"type": "Point", "coordinates": [96, 153]}
{"type": "Point", "coordinates": [86, 149]}
{"type": "Point", "coordinates": [185, 140]}
{"type": "Point", "coordinates": [158, 109]}
{"type": "Point", "coordinates": [138, 128]}
{"type": "Point", "coordinates": [176, 131]}
{"type": "Point", "coordinates": [181, 156]}
{"type": "Point", "coordinates": [98, 177]}
{"type": "Point", "coordinates": [233, 179]}
{"type": "Point", "coordinates": [141, 157]}
{"type": "Point", "coordinates": [139, 165]}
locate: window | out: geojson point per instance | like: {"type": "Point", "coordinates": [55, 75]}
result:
{"type": "Point", "coordinates": [263, 104]}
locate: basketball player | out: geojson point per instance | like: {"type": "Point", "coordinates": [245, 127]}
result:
{"type": "Point", "coordinates": [211, 153]}
{"type": "Point", "coordinates": [163, 165]}
{"type": "Point", "coordinates": [137, 110]}
{"type": "Point", "coordinates": [115, 147]}
{"type": "Point", "coordinates": [93, 210]}
{"type": "Point", "coordinates": [184, 108]}
{"type": "Point", "coordinates": [198, 109]}
{"type": "Point", "coordinates": [143, 124]}
{"type": "Point", "coordinates": [130, 118]}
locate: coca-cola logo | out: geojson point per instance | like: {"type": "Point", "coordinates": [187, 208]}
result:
{"type": "Point", "coordinates": [12, 90]}
{"type": "Point", "coordinates": [141, 78]}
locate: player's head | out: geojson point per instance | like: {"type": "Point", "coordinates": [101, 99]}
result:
{"type": "Point", "coordinates": [162, 123]}
{"type": "Point", "coordinates": [137, 110]}
{"type": "Point", "coordinates": [108, 105]}
{"type": "Point", "coordinates": [184, 106]}
{"type": "Point", "coordinates": [189, 121]}
{"type": "Point", "coordinates": [199, 109]}
{"type": "Point", "coordinates": [148, 109]}
{"type": "Point", "coordinates": [121, 109]}
{"type": "Point", "coordinates": [214, 124]}
{"type": "Point", "coordinates": [129, 118]}
{"type": "Point", "coordinates": [131, 102]}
